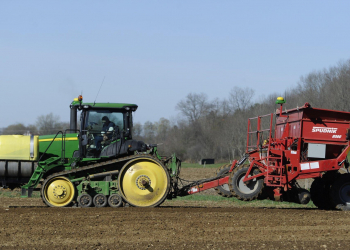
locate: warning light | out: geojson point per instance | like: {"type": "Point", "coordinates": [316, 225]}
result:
{"type": "Point", "coordinates": [80, 98]}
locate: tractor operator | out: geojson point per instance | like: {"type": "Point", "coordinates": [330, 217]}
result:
{"type": "Point", "coordinates": [106, 134]}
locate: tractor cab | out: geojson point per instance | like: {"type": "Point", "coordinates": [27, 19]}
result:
{"type": "Point", "coordinates": [105, 128]}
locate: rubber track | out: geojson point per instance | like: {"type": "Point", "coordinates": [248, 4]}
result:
{"type": "Point", "coordinates": [92, 166]}
{"type": "Point", "coordinates": [100, 164]}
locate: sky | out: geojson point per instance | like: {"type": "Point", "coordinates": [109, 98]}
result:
{"type": "Point", "coordinates": [154, 53]}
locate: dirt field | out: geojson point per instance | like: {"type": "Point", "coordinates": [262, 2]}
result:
{"type": "Point", "coordinates": [218, 225]}
{"type": "Point", "coordinates": [173, 227]}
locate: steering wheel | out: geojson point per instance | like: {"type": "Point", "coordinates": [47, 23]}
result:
{"type": "Point", "coordinates": [90, 127]}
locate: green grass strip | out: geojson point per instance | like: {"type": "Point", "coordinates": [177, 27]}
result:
{"type": "Point", "coordinates": [254, 203]}
{"type": "Point", "coordinates": [196, 165]}
{"type": "Point", "coordinates": [16, 193]}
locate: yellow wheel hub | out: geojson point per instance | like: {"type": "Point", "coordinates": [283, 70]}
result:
{"type": "Point", "coordinates": [144, 182]}
{"type": "Point", "coordinates": [59, 192]}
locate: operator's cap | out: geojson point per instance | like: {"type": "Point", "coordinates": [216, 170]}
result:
{"type": "Point", "coordinates": [105, 118]}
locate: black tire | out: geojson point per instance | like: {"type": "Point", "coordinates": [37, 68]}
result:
{"type": "Point", "coordinates": [303, 196]}
{"type": "Point", "coordinates": [320, 190]}
{"type": "Point", "coordinates": [223, 190]}
{"type": "Point", "coordinates": [115, 200]}
{"type": "Point", "coordinates": [320, 194]}
{"type": "Point", "coordinates": [340, 191]}
{"type": "Point", "coordinates": [100, 200]}
{"type": "Point", "coordinates": [84, 200]}
{"type": "Point", "coordinates": [242, 191]}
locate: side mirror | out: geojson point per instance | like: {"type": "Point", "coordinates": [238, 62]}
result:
{"type": "Point", "coordinates": [127, 133]}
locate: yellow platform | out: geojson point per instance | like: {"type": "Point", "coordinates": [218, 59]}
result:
{"type": "Point", "coordinates": [19, 147]}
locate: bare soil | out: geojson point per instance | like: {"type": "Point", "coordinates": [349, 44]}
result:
{"type": "Point", "coordinates": [173, 227]}
{"type": "Point", "coordinates": [27, 224]}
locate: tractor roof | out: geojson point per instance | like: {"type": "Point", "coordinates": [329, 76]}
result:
{"type": "Point", "coordinates": [131, 106]}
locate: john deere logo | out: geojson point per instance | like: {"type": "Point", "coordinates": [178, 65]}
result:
{"type": "Point", "coordinates": [324, 130]}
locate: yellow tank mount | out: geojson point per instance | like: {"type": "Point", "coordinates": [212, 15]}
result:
{"type": "Point", "coordinates": [19, 147]}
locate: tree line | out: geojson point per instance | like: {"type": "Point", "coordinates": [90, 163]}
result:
{"type": "Point", "coordinates": [218, 128]}
{"type": "Point", "coordinates": [44, 125]}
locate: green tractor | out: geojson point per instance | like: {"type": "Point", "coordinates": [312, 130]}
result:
{"type": "Point", "coordinates": [98, 164]}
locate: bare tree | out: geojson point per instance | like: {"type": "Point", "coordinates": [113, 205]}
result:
{"type": "Point", "coordinates": [241, 98]}
{"type": "Point", "coordinates": [137, 130]}
{"type": "Point", "coordinates": [50, 124]}
{"type": "Point", "coordinates": [194, 106]}
{"type": "Point", "coordinates": [18, 128]}
{"type": "Point", "coordinates": [149, 132]}
{"type": "Point", "coordinates": [163, 127]}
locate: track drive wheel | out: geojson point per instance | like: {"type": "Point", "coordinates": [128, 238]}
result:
{"type": "Point", "coordinates": [144, 182]}
{"type": "Point", "coordinates": [57, 192]}
{"type": "Point", "coordinates": [115, 200]}
{"type": "Point", "coordinates": [246, 192]}
{"type": "Point", "coordinates": [223, 190]}
{"type": "Point", "coordinates": [340, 191]}
{"type": "Point", "coordinates": [84, 200]}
